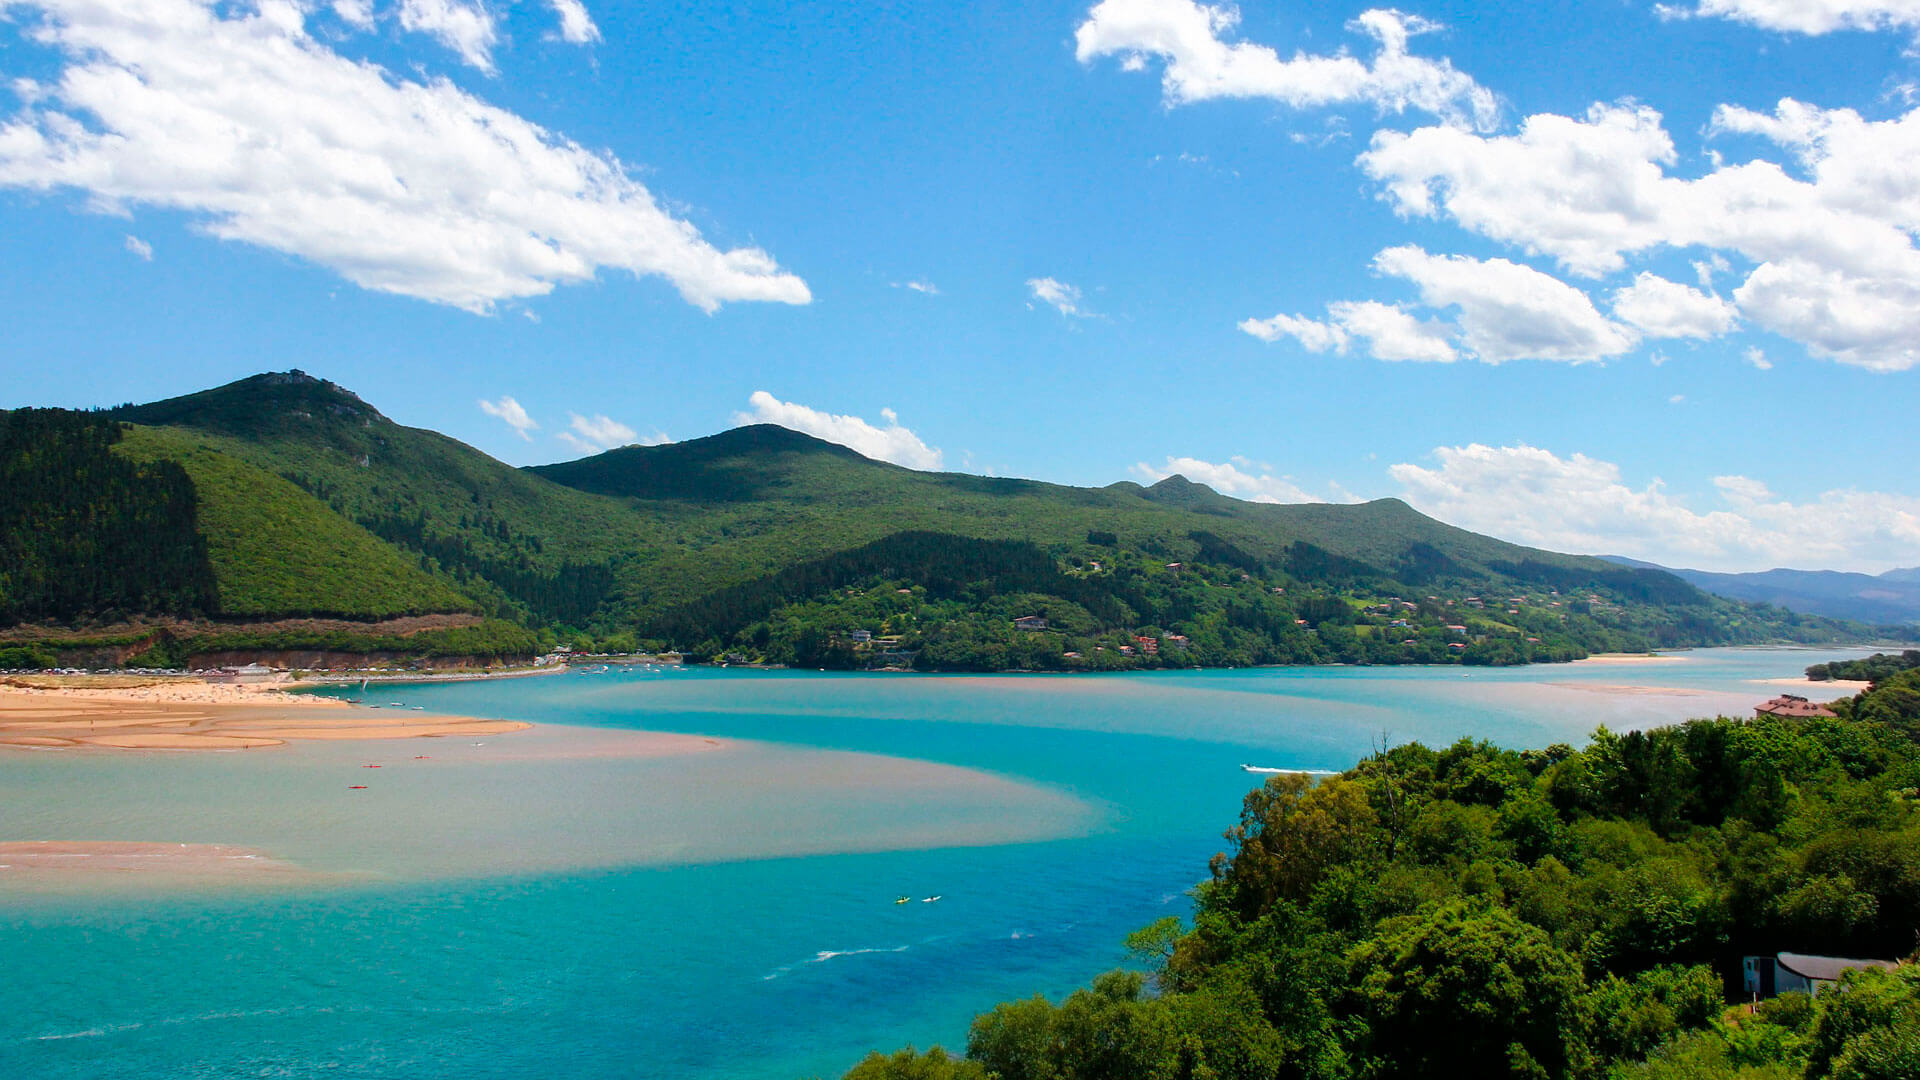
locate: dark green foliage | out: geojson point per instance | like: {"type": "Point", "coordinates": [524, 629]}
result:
{"type": "Point", "coordinates": [85, 532]}
{"type": "Point", "coordinates": [1874, 668]}
{"type": "Point", "coordinates": [935, 1064]}
{"type": "Point", "coordinates": [1463, 988]}
{"type": "Point", "coordinates": [16, 657]}
{"type": "Point", "coordinates": [1578, 915]}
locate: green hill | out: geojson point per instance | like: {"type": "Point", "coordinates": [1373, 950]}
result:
{"type": "Point", "coordinates": [284, 496]}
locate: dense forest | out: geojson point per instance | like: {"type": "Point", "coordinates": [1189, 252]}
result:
{"type": "Point", "coordinates": [84, 531]}
{"type": "Point", "coordinates": [1559, 913]}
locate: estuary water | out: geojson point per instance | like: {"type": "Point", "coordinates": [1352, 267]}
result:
{"type": "Point", "coordinates": [565, 903]}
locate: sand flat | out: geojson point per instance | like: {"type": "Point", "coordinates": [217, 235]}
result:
{"type": "Point", "coordinates": [69, 857]}
{"type": "Point", "coordinates": [193, 715]}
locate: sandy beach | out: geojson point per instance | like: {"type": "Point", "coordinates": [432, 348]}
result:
{"type": "Point", "coordinates": [123, 713]}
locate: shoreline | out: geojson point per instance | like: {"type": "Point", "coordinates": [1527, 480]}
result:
{"type": "Point", "coordinates": [184, 714]}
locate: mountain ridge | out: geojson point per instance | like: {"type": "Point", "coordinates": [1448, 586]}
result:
{"type": "Point", "coordinates": [774, 545]}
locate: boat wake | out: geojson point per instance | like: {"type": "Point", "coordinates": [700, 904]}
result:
{"type": "Point", "coordinates": [825, 955]}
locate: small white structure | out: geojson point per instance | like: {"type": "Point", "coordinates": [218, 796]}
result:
{"type": "Point", "coordinates": [245, 673]}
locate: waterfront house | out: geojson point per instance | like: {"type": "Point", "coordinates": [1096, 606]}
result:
{"type": "Point", "coordinates": [1030, 622]}
{"type": "Point", "coordinates": [1791, 705]}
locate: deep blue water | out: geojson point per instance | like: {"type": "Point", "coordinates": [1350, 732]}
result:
{"type": "Point", "coordinates": [768, 968]}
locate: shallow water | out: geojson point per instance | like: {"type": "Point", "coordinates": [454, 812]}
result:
{"type": "Point", "coordinates": [510, 912]}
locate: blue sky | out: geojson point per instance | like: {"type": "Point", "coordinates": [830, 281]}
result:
{"type": "Point", "coordinates": [1570, 274]}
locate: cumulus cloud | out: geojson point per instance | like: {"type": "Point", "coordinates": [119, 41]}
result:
{"type": "Point", "coordinates": [1758, 359]}
{"type": "Point", "coordinates": [1667, 309]}
{"type": "Point", "coordinates": [1509, 311]}
{"type": "Point", "coordinates": [576, 26]}
{"type": "Point", "coordinates": [357, 13]}
{"type": "Point", "coordinates": [890, 442]}
{"type": "Point", "coordinates": [1834, 262]}
{"type": "Point", "coordinates": [1806, 16]}
{"type": "Point", "coordinates": [1063, 297]}
{"type": "Point", "coordinates": [139, 247]}
{"type": "Point", "coordinates": [1189, 40]}
{"type": "Point", "coordinates": [1241, 479]}
{"type": "Point", "coordinates": [1533, 496]}
{"type": "Point", "coordinates": [1391, 333]}
{"type": "Point", "coordinates": [467, 29]}
{"type": "Point", "coordinates": [509, 410]}
{"type": "Point", "coordinates": [268, 137]}
{"type": "Point", "coordinates": [595, 434]}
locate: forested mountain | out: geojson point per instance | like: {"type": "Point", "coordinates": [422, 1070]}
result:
{"type": "Point", "coordinates": [1889, 598]}
{"type": "Point", "coordinates": [284, 497]}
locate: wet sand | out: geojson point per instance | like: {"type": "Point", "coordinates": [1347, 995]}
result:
{"type": "Point", "coordinates": [27, 858]}
{"type": "Point", "coordinates": [193, 715]}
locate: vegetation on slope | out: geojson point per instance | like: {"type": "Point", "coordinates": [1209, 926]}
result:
{"type": "Point", "coordinates": [1562, 913]}
{"type": "Point", "coordinates": [768, 545]}
{"type": "Point", "coordinates": [526, 549]}
{"type": "Point", "coordinates": [277, 551]}
{"type": "Point", "coordinates": [85, 532]}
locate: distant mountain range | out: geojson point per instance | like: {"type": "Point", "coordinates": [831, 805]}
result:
{"type": "Point", "coordinates": [282, 513]}
{"type": "Point", "coordinates": [1892, 598]}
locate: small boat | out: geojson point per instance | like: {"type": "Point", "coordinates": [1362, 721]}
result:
{"type": "Point", "coordinates": [356, 787]}
{"type": "Point", "coordinates": [902, 899]}
{"type": "Point", "coordinates": [931, 899]}
{"type": "Point", "coordinates": [369, 766]}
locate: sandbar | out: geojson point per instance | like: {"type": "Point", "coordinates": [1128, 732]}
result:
{"type": "Point", "coordinates": [48, 859]}
{"type": "Point", "coordinates": [188, 714]}
{"type": "Point", "coordinates": [1830, 688]}
{"type": "Point", "coordinates": [1616, 688]}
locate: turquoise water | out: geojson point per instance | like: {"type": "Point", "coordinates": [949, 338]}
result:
{"type": "Point", "coordinates": [494, 923]}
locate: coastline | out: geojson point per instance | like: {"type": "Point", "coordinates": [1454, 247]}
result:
{"type": "Point", "coordinates": [108, 713]}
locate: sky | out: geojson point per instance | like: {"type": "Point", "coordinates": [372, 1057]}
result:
{"type": "Point", "coordinates": [1614, 277]}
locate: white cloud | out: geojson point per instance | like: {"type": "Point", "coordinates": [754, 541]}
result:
{"type": "Point", "coordinates": [1758, 359]}
{"type": "Point", "coordinates": [1676, 399]}
{"type": "Point", "coordinates": [1229, 479]}
{"type": "Point", "coordinates": [595, 434]}
{"type": "Point", "coordinates": [1582, 504]}
{"type": "Point", "coordinates": [509, 410]}
{"type": "Point", "coordinates": [1509, 311]}
{"type": "Point", "coordinates": [467, 29]}
{"type": "Point", "coordinates": [357, 13]}
{"type": "Point", "coordinates": [1188, 39]}
{"type": "Point", "coordinates": [1835, 265]}
{"type": "Point", "coordinates": [1667, 309]}
{"type": "Point", "coordinates": [415, 188]}
{"type": "Point", "coordinates": [1391, 333]}
{"type": "Point", "coordinates": [139, 247]}
{"type": "Point", "coordinates": [926, 288]}
{"type": "Point", "coordinates": [889, 443]}
{"type": "Point", "coordinates": [576, 26]}
{"type": "Point", "coordinates": [1063, 297]}
{"type": "Point", "coordinates": [1806, 16]}
{"type": "Point", "coordinates": [1312, 334]}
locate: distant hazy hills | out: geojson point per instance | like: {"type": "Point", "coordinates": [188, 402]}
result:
{"type": "Point", "coordinates": [1886, 599]}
